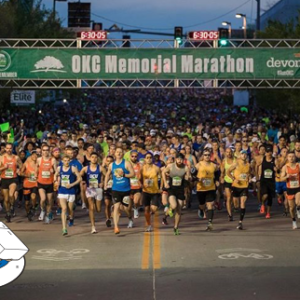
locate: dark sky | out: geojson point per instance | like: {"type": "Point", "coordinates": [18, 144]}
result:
{"type": "Point", "coordinates": [163, 15]}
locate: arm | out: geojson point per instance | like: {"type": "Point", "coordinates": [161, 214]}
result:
{"type": "Point", "coordinates": [78, 177]}
{"type": "Point", "coordinates": [284, 176]}
{"type": "Point", "coordinates": [259, 170]}
{"type": "Point", "coordinates": [129, 167]}
{"type": "Point", "coordinates": [107, 175]}
{"type": "Point", "coordinates": [164, 176]}
{"type": "Point", "coordinates": [222, 168]}
{"type": "Point", "coordinates": [230, 170]}
{"type": "Point", "coordinates": [56, 175]}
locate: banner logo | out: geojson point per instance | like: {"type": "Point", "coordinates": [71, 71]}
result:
{"type": "Point", "coordinates": [5, 61]}
{"type": "Point", "coordinates": [49, 64]}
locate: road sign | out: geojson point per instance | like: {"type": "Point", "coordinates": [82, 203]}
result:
{"type": "Point", "coordinates": [22, 97]}
{"type": "Point", "coordinates": [204, 35]}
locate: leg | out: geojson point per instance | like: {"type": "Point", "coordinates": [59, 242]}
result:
{"type": "Point", "coordinates": [178, 213]}
{"type": "Point", "coordinates": [116, 215]}
{"type": "Point", "coordinates": [228, 201]}
{"type": "Point", "coordinates": [63, 203]}
{"type": "Point", "coordinates": [11, 194]}
{"type": "Point", "coordinates": [42, 194]}
{"type": "Point", "coordinates": [91, 206]}
{"type": "Point", "coordinates": [49, 203]}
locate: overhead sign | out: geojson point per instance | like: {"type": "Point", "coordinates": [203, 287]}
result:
{"type": "Point", "coordinates": [22, 97]}
{"type": "Point", "coordinates": [203, 35]}
{"type": "Point", "coordinates": [93, 35]}
{"type": "Point", "coordinates": [183, 63]}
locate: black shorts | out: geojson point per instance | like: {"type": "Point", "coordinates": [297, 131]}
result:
{"type": "Point", "coordinates": [28, 191]}
{"type": "Point", "coordinates": [135, 191]}
{"type": "Point", "coordinates": [151, 199]}
{"type": "Point", "coordinates": [47, 187]}
{"type": "Point", "coordinates": [107, 194]}
{"type": "Point", "coordinates": [118, 197]}
{"type": "Point", "coordinates": [178, 193]}
{"type": "Point", "coordinates": [206, 196]}
{"type": "Point", "coordinates": [290, 191]}
{"type": "Point", "coordinates": [6, 182]}
{"type": "Point", "coordinates": [239, 192]}
{"type": "Point", "coordinates": [227, 185]}
{"type": "Point", "coordinates": [267, 188]}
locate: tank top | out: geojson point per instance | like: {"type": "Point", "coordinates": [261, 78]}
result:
{"type": "Point", "coordinates": [11, 171]}
{"type": "Point", "coordinates": [176, 177]}
{"type": "Point", "coordinates": [267, 170]}
{"type": "Point", "coordinates": [30, 177]}
{"type": "Point", "coordinates": [207, 173]}
{"type": "Point", "coordinates": [120, 184]}
{"type": "Point", "coordinates": [294, 181]}
{"type": "Point", "coordinates": [45, 175]}
{"type": "Point", "coordinates": [241, 173]}
{"type": "Point", "coordinates": [86, 162]}
{"type": "Point", "coordinates": [134, 181]}
{"type": "Point", "coordinates": [227, 166]}
{"type": "Point", "coordinates": [66, 177]}
{"type": "Point", "coordinates": [150, 180]}
{"type": "Point", "coordinates": [93, 178]}
{"type": "Point", "coordinates": [190, 159]}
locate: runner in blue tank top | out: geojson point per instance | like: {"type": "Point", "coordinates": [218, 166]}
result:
{"type": "Point", "coordinates": [94, 190]}
{"type": "Point", "coordinates": [68, 177]}
{"type": "Point", "coordinates": [121, 171]}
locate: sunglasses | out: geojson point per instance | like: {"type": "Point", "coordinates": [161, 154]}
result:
{"type": "Point", "coordinates": [134, 156]}
{"type": "Point", "coordinates": [45, 150]}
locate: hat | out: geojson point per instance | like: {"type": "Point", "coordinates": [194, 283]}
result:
{"type": "Point", "coordinates": [244, 152]}
{"type": "Point", "coordinates": [292, 138]}
{"type": "Point", "coordinates": [239, 131]}
{"type": "Point", "coordinates": [170, 131]}
{"type": "Point", "coordinates": [228, 124]}
{"type": "Point", "coordinates": [85, 126]}
{"type": "Point", "coordinates": [152, 132]}
{"type": "Point", "coordinates": [156, 153]}
{"type": "Point", "coordinates": [249, 125]}
{"type": "Point", "coordinates": [255, 140]}
{"type": "Point", "coordinates": [59, 132]}
{"type": "Point", "coordinates": [269, 149]}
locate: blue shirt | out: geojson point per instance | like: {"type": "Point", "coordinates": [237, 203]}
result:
{"type": "Point", "coordinates": [93, 177]}
{"type": "Point", "coordinates": [120, 184]}
{"type": "Point", "coordinates": [66, 177]}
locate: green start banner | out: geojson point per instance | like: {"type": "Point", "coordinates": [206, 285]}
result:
{"type": "Point", "coordinates": [187, 63]}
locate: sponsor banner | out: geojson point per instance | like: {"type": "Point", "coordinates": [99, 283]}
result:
{"type": "Point", "coordinates": [22, 97]}
{"type": "Point", "coordinates": [187, 63]}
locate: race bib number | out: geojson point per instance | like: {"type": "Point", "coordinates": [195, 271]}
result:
{"type": "Point", "coordinates": [294, 183]}
{"type": "Point", "coordinates": [134, 182]}
{"type": "Point", "coordinates": [109, 184]}
{"type": "Point", "coordinates": [45, 174]}
{"type": "Point", "coordinates": [32, 178]}
{"type": "Point", "coordinates": [268, 173]}
{"type": "Point", "coordinates": [207, 182]}
{"type": "Point", "coordinates": [176, 181]}
{"type": "Point", "coordinates": [65, 181]}
{"type": "Point", "coordinates": [93, 183]}
{"type": "Point", "coordinates": [9, 173]}
{"type": "Point", "coordinates": [243, 176]}
{"type": "Point", "coordinates": [149, 182]}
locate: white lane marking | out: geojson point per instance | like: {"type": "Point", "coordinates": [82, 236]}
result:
{"type": "Point", "coordinates": [59, 255]}
{"type": "Point", "coordinates": [239, 250]}
{"type": "Point", "coordinates": [240, 255]}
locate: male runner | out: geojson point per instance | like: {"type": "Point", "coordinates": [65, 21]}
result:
{"type": "Point", "coordinates": [178, 172]}
{"type": "Point", "coordinates": [9, 179]}
{"type": "Point", "coordinates": [240, 175]}
{"type": "Point", "coordinates": [121, 171]}
{"type": "Point", "coordinates": [67, 177]}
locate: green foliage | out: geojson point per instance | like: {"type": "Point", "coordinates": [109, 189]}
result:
{"type": "Point", "coordinates": [280, 99]}
{"type": "Point", "coordinates": [29, 19]}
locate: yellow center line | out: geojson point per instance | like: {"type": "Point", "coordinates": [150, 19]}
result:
{"type": "Point", "coordinates": [146, 251]}
{"type": "Point", "coordinates": [156, 243]}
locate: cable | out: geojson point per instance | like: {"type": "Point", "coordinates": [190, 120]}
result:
{"type": "Point", "coordinates": [171, 28]}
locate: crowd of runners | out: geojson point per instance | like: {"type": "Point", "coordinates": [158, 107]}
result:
{"type": "Point", "coordinates": [137, 151]}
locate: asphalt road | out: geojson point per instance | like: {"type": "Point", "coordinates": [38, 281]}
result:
{"type": "Point", "coordinates": [260, 262]}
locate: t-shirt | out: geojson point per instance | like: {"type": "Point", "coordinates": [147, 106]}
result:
{"type": "Point", "coordinates": [105, 148]}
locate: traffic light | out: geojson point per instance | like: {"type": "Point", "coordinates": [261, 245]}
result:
{"type": "Point", "coordinates": [97, 26]}
{"type": "Point", "coordinates": [223, 37]}
{"type": "Point", "coordinates": [178, 34]}
{"type": "Point", "coordinates": [126, 44]}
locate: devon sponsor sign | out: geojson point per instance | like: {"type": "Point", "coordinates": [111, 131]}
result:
{"type": "Point", "coordinates": [203, 63]}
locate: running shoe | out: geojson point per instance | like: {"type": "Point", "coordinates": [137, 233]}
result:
{"type": "Point", "coordinates": [108, 223]}
{"type": "Point", "coordinates": [262, 209]}
{"type": "Point", "coordinates": [8, 218]}
{"type": "Point", "coordinates": [148, 229]}
{"type": "Point", "coordinates": [30, 215]}
{"type": "Point", "coordinates": [64, 232]}
{"type": "Point", "coordinates": [83, 205]}
{"type": "Point", "coordinates": [200, 214]}
{"type": "Point", "coordinates": [117, 230]}
{"type": "Point", "coordinates": [236, 210]}
{"type": "Point", "coordinates": [279, 200]}
{"type": "Point", "coordinates": [42, 215]}
{"type": "Point", "coordinates": [93, 230]}
{"type": "Point", "coordinates": [295, 225]}
{"type": "Point", "coordinates": [71, 222]}
{"type": "Point", "coordinates": [135, 213]}
{"type": "Point", "coordinates": [184, 207]}
{"type": "Point", "coordinates": [285, 213]}
{"type": "Point", "coordinates": [166, 209]}
{"type": "Point", "coordinates": [259, 206]}
{"type": "Point", "coordinates": [58, 211]}
{"type": "Point", "coordinates": [130, 223]}
{"type": "Point", "coordinates": [298, 213]}
{"type": "Point", "coordinates": [240, 226]}
{"type": "Point", "coordinates": [176, 231]}
{"type": "Point", "coordinates": [47, 220]}
{"type": "Point", "coordinates": [209, 227]}
{"type": "Point", "coordinates": [268, 216]}
{"type": "Point", "coordinates": [171, 214]}
{"type": "Point", "coordinates": [230, 218]}
{"type": "Point", "coordinates": [164, 221]}
{"type": "Point", "coordinates": [50, 216]}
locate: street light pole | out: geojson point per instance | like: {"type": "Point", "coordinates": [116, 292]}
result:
{"type": "Point", "coordinates": [239, 16]}
{"type": "Point", "coordinates": [258, 16]}
{"type": "Point", "coordinates": [225, 23]}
